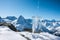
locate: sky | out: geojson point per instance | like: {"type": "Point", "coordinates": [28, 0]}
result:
{"type": "Point", "coordinates": [47, 9]}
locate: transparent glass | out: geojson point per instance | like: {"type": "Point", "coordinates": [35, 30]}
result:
{"type": "Point", "coordinates": [35, 24]}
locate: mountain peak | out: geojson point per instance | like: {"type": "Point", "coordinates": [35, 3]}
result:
{"type": "Point", "coordinates": [21, 20]}
{"type": "Point", "coordinates": [21, 16]}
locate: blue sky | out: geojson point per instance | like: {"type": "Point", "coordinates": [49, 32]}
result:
{"type": "Point", "coordinates": [48, 9]}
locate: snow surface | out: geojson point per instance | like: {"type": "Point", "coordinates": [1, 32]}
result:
{"type": "Point", "coordinates": [40, 36]}
{"type": "Point", "coordinates": [7, 34]}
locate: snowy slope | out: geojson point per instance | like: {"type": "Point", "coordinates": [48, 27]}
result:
{"type": "Point", "coordinates": [5, 34]}
{"type": "Point", "coordinates": [39, 36]}
{"type": "Point", "coordinates": [9, 35]}
{"type": "Point", "coordinates": [57, 31]}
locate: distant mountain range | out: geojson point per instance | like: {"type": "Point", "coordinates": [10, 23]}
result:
{"type": "Point", "coordinates": [11, 18]}
{"type": "Point", "coordinates": [53, 20]}
{"type": "Point", "coordinates": [23, 24]}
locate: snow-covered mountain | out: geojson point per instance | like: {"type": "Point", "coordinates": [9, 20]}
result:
{"type": "Point", "coordinates": [46, 20]}
{"type": "Point", "coordinates": [21, 22]}
{"type": "Point", "coordinates": [45, 26]}
{"type": "Point", "coordinates": [49, 29]}
{"type": "Point", "coordinates": [11, 18]}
